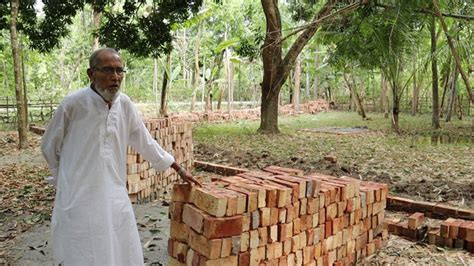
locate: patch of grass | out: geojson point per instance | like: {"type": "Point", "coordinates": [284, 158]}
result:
{"type": "Point", "coordinates": [380, 155]}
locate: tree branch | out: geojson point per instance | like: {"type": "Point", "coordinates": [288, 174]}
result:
{"type": "Point", "coordinates": [429, 12]}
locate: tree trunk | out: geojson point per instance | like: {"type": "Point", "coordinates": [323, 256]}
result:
{"type": "Point", "coordinates": [434, 71]}
{"type": "Point", "coordinates": [23, 73]}
{"type": "Point", "coordinates": [416, 90]}
{"type": "Point", "coordinates": [6, 85]}
{"type": "Point", "coordinates": [355, 97]}
{"type": "Point", "coordinates": [195, 78]}
{"type": "Point", "coordinates": [395, 108]}
{"type": "Point", "coordinates": [453, 51]}
{"type": "Point", "coordinates": [446, 80]}
{"type": "Point", "coordinates": [452, 95]}
{"type": "Point", "coordinates": [18, 73]}
{"type": "Point", "coordinates": [166, 85]}
{"type": "Point", "coordinates": [276, 69]}
{"type": "Point", "coordinates": [383, 96]}
{"type": "Point", "coordinates": [155, 86]}
{"type": "Point", "coordinates": [307, 85]}
{"type": "Point", "coordinates": [219, 100]}
{"type": "Point", "coordinates": [215, 70]}
{"type": "Point", "coordinates": [297, 85]}
{"type": "Point", "coordinates": [316, 76]}
{"type": "Point", "coordinates": [96, 24]}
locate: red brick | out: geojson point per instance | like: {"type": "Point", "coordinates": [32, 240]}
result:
{"type": "Point", "coordinates": [285, 231]}
{"type": "Point", "coordinates": [445, 210]}
{"type": "Point", "coordinates": [470, 232]}
{"type": "Point", "coordinates": [193, 217]}
{"type": "Point", "coordinates": [454, 229]}
{"type": "Point", "coordinates": [444, 229]}
{"type": "Point", "coordinates": [265, 216]}
{"type": "Point", "coordinates": [181, 193]}
{"type": "Point", "coordinates": [226, 247]}
{"type": "Point", "coordinates": [176, 211]}
{"type": "Point", "coordinates": [263, 236]}
{"type": "Point", "coordinates": [416, 220]}
{"type": "Point", "coordinates": [222, 227]}
{"type": "Point", "coordinates": [179, 231]}
{"type": "Point", "coordinates": [244, 259]}
{"type": "Point", "coordinates": [209, 201]}
{"type": "Point", "coordinates": [328, 228]}
{"type": "Point", "coordinates": [274, 212]}
{"type": "Point", "coordinates": [462, 231]}
{"type": "Point", "coordinates": [432, 234]}
{"type": "Point", "coordinates": [469, 246]}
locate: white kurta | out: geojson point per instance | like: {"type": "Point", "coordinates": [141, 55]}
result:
{"type": "Point", "coordinates": [85, 146]}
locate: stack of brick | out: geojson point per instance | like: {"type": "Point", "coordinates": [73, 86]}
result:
{"type": "Point", "coordinates": [453, 233]}
{"type": "Point", "coordinates": [276, 217]}
{"type": "Point", "coordinates": [143, 181]}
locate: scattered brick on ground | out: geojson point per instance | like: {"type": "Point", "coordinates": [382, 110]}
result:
{"type": "Point", "coordinates": [451, 233]}
{"type": "Point", "coordinates": [432, 210]}
{"type": "Point", "coordinates": [310, 107]}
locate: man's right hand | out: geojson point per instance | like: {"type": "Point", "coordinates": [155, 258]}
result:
{"type": "Point", "coordinates": [187, 177]}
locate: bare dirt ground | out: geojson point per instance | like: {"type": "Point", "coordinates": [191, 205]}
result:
{"type": "Point", "coordinates": [27, 201]}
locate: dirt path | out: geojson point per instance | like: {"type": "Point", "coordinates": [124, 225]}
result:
{"type": "Point", "coordinates": [26, 201]}
{"type": "Point", "coordinates": [32, 247]}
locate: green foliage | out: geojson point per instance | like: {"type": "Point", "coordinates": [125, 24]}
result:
{"type": "Point", "coordinates": [145, 30]}
{"type": "Point", "coordinates": [375, 37]}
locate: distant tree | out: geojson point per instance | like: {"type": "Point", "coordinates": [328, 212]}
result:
{"type": "Point", "coordinates": [43, 33]}
{"type": "Point", "coordinates": [383, 38]}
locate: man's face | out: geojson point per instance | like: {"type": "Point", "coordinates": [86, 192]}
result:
{"type": "Point", "coordinates": [107, 76]}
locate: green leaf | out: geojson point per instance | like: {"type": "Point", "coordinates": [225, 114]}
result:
{"type": "Point", "coordinates": [226, 44]}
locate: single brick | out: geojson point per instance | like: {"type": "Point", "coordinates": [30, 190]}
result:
{"type": "Point", "coordinates": [207, 200]}
{"type": "Point", "coordinates": [222, 227]}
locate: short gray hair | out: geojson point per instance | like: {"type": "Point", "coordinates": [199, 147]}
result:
{"type": "Point", "coordinates": [94, 58]}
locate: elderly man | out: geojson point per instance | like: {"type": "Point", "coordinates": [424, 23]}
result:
{"type": "Point", "coordinates": [85, 146]}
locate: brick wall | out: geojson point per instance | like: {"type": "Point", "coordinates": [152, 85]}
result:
{"type": "Point", "coordinates": [144, 183]}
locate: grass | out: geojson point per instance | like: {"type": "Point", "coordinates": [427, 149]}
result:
{"type": "Point", "coordinates": [382, 155]}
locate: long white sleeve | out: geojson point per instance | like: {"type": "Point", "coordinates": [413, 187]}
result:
{"type": "Point", "coordinates": [144, 143]}
{"type": "Point", "coordinates": [52, 140]}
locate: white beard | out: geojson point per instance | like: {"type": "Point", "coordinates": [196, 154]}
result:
{"type": "Point", "coordinates": [108, 95]}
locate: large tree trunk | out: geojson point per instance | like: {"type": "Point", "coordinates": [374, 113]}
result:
{"type": "Point", "coordinates": [434, 70]}
{"type": "Point", "coordinates": [18, 73]}
{"type": "Point", "coordinates": [453, 51]}
{"type": "Point", "coordinates": [96, 23]}
{"type": "Point", "coordinates": [276, 69]}
{"type": "Point", "coordinates": [297, 85]}
{"type": "Point", "coordinates": [271, 57]}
